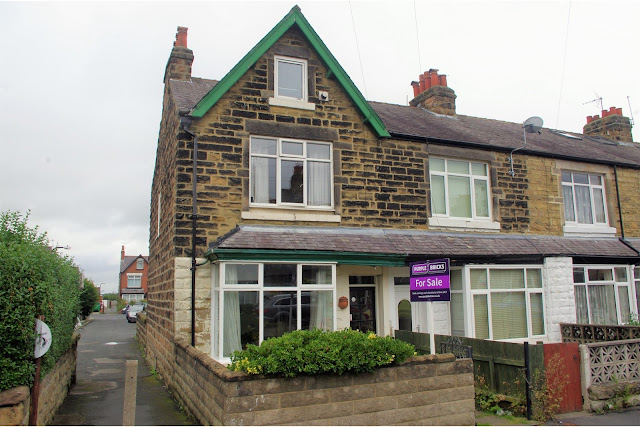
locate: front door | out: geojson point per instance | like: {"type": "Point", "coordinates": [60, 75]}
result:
{"type": "Point", "coordinates": [362, 303]}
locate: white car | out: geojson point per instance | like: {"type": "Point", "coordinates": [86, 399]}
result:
{"type": "Point", "coordinates": [132, 313]}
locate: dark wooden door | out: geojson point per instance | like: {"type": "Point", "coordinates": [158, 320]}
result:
{"type": "Point", "coordinates": [362, 306]}
{"type": "Point", "coordinates": [567, 371]}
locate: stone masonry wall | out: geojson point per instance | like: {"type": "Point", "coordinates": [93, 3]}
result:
{"type": "Point", "coordinates": [426, 390]}
{"type": "Point", "coordinates": [160, 294]}
{"type": "Point", "coordinates": [203, 302]}
{"type": "Point", "coordinates": [54, 387]}
{"type": "Point", "coordinates": [629, 186]}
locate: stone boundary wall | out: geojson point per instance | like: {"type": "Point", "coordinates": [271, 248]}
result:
{"type": "Point", "coordinates": [427, 390]}
{"type": "Point", "coordinates": [15, 402]}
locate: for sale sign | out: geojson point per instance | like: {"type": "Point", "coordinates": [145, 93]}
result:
{"type": "Point", "coordinates": [430, 281]}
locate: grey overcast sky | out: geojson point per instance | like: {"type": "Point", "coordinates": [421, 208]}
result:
{"type": "Point", "coordinates": [81, 86]}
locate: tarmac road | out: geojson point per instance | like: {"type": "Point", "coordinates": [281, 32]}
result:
{"type": "Point", "coordinates": [97, 398]}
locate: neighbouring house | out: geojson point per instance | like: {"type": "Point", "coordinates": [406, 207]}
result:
{"type": "Point", "coordinates": [134, 274]}
{"type": "Point", "coordinates": [306, 194]}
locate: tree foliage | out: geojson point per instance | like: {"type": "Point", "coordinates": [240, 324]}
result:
{"type": "Point", "coordinates": [89, 297]}
{"type": "Point", "coordinates": [34, 280]}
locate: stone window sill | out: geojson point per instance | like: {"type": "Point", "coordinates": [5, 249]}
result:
{"type": "Point", "coordinates": [292, 103]}
{"type": "Point", "coordinates": [589, 231]}
{"type": "Point", "coordinates": [290, 215]}
{"type": "Point", "coordinates": [458, 224]}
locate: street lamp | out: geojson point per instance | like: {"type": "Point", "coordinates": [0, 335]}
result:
{"type": "Point", "coordinates": [61, 247]}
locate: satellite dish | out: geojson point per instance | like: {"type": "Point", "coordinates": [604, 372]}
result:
{"type": "Point", "coordinates": [533, 124]}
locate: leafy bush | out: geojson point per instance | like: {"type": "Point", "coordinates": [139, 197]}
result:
{"type": "Point", "coordinates": [319, 352]}
{"type": "Point", "coordinates": [89, 297]}
{"type": "Point", "coordinates": [34, 280]}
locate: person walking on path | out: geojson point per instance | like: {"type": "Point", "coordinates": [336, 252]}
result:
{"type": "Point", "coordinates": [97, 397]}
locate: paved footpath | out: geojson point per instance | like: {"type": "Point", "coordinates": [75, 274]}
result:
{"type": "Point", "coordinates": [97, 398]}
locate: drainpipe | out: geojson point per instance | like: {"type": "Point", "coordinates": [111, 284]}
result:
{"type": "Point", "coordinates": [622, 239]}
{"type": "Point", "coordinates": [186, 122]}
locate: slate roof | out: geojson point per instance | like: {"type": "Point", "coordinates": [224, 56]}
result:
{"type": "Point", "coordinates": [186, 94]}
{"type": "Point", "coordinates": [128, 260]}
{"type": "Point", "coordinates": [475, 131]}
{"type": "Point", "coordinates": [417, 243]}
{"type": "Point", "coordinates": [404, 121]}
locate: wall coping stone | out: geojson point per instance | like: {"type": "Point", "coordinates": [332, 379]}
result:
{"type": "Point", "coordinates": [14, 396]}
{"type": "Point", "coordinates": [221, 371]}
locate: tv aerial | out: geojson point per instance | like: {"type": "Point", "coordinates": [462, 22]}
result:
{"type": "Point", "coordinates": [531, 125]}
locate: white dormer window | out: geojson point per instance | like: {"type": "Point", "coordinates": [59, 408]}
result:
{"type": "Point", "coordinates": [140, 264]}
{"type": "Point", "coordinates": [291, 78]}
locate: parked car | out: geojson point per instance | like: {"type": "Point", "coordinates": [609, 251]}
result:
{"type": "Point", "coordinates": [132, 313]}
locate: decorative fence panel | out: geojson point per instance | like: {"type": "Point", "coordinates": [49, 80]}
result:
{"type": "Point", "coordinates": [584, 333]}
{"type": "Point", "coordinates": [612, 362]}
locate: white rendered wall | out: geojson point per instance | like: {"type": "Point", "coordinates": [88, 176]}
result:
{"type": "Point", "coordinates": [559, 296]}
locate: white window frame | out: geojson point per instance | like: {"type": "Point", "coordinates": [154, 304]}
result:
{"type": "Point", "coordinates": [140, 264]}
{"type": "Point", "coordinates": [289, 101]}
{"type": "Point", "coordinates": [578, 228]}
{"type": "Point", "coordinates": [279, 157]}
{"type": "Point", "coordinates": [219, 287]}
{"type": "Point", "coordinates": [475, 222]}
{"type": "Point", "coordinates": [304, 77]}
{"type": "Point", "coordinates": [630, 284]}
{"type": "Point", "coordinates": [133, 276]}
{"type": "Point", "coordinates": [468, 298]}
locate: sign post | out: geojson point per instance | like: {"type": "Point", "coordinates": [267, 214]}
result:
{"type": "Point", "coordinates": [43, 342]}
{"type": "Point", "coordinates": [430, 281]}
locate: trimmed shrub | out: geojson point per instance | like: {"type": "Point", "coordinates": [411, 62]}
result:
{"type": "Point", "coordinates": [320, 352]}
{"type": "Point", "coordinates": [34, 280]}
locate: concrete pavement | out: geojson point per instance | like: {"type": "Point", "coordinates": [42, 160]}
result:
{"type": "Point", "coordinates": [97, 398]}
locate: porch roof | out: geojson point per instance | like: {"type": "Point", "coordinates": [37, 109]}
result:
{"type": "Point", "coordinates": [400, 246]}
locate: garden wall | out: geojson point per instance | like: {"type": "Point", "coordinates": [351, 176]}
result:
{"type": "Point", "coordinates": [15, 402]}
{"type": "Point", "coordinates": [610, 375]}
{"type": "Point", "coordinates": [432, 390]}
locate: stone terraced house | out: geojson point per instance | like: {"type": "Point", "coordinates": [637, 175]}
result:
{"type": "Point", "coordinates": [306, 195]}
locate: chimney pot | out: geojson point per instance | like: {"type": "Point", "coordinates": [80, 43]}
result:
{"type": "Point", "coordinates": [122, 253]}
{"type": "Point", "coordinates": [181, 37]}
{"type": "Point", "coordinates": [416, 88]}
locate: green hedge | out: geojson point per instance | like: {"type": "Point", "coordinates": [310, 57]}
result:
{"type": "Point", "coordinates": [319, 352]}
{"type": "Point", "coordinates": [34, 280]}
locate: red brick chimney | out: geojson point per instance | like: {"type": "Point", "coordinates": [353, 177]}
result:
{"type": "Point", "coordinates": [122, 253]}
{"type": "Point", "coordinates": [612, 125]}
{"type": "Point", "coordinates": [181, 58]}
{"type": "Point", "coordinates": [431, 93]}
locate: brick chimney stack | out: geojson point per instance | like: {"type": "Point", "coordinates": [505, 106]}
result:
{"type": "Point", "coordinates": [431, 93]}
{"type": "Point", "coordinates": [122, 253]}
{"type": "Point", "coordinates": [181, 58]}
{"type": "Point", "coordinates": [612, 125]}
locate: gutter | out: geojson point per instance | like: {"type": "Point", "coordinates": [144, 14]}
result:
{"type": "Point", "coordinates": [186, 122]}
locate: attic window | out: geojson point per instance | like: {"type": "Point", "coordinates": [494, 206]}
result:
{"type": "Point", "coordinates": [291, 83]}
{"type": "Point", "coordinates": [566, 135]}
{"type": "Point", "coordinates": [291, 78]}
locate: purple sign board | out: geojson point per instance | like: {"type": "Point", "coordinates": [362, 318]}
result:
{"type": "Point", "coordinates": [430, 281]}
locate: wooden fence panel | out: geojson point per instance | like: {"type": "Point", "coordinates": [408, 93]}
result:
{"type": "Point", "coordinates": [499, 364]}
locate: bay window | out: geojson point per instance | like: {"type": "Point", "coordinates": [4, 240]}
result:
{"type": "Point", "coordinates": [603, 294]}
{"type": "Point", "coordinates": [288, 172]}
{"type": "Point", "coordinates": [256, 301]}
{"type": "Point", "coordinates": [503, 302]}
